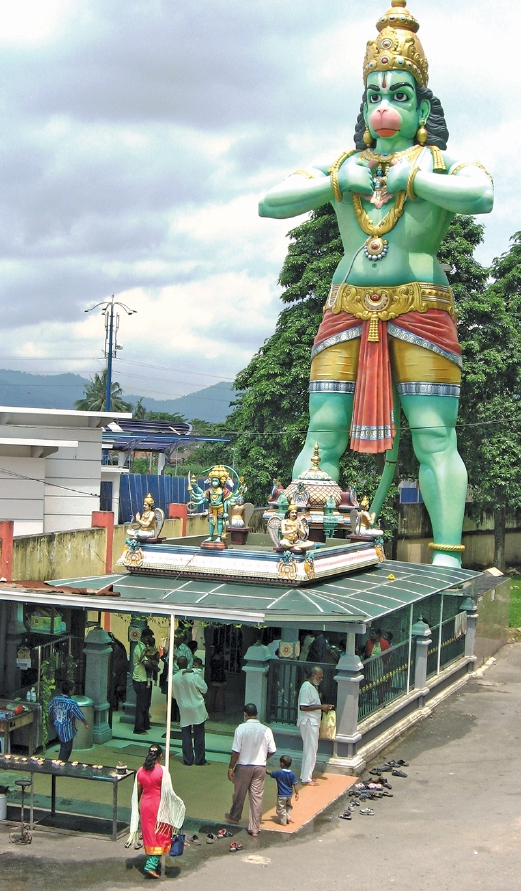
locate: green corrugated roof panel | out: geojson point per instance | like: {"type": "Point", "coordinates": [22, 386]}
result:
{"type": "Point", "coordinates": [357, 597]}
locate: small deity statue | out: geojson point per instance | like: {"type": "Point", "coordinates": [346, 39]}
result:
{"type": "Point", "coordinates": [145, 525]}
{"type": "Point", "coordinates": [219, 498]}
{"type": "Point", "coordinates": [294, 531]}
{"type": "Point", "coordinates": [301, 495]}
{"type": "Point", "coordinates": [362, 521]}
{"type": "Point", "coordinates": [366, 519]}
{"type": "Point", "coordinates": [276, 491]}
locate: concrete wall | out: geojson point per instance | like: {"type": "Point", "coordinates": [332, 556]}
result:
{"type": "Point", "coordinates": [70, 554]}
{"type": "Point", "coordinates": [492, 627]}
{"type": "Point", "coordinates": [414, 534]}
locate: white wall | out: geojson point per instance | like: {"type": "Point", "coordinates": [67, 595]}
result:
{"type": "Point", "coordinates": [22, 499]}
{"type": "Point", "coordinates": [73, 478]}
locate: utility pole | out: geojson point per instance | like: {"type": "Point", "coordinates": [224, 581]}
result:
{"type": "Point", "coordinates": [111, 337]}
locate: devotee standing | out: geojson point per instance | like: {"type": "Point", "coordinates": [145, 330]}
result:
{"type": "Point", "coordinates": [253, 744]}
{"type": "Point", "coordinates": [309, 714]}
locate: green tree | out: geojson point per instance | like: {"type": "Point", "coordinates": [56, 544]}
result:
{"type": "Point", "coordinates": [491, 405]}
{"type": "Point", "coordinates": [95, 395]}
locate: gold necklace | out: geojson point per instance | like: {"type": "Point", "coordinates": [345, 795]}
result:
{"type": "Point", "coordinates": [384, 226]}
{"type": "Point", "coordinates": [370, 155]}
{"type": "Point", "coordinates": [376, 247]}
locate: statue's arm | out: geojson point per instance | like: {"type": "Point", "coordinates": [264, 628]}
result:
{"type": "Point", "coordinates": [309, 189]}
{"type": "Point", "coordinates": [300, 192]}
{"type": "Point", "coordinates": [466, 188]}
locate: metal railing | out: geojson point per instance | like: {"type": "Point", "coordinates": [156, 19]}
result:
{"type": "Point", "coordinates": [443, 651]}
{"type": "Point", "coordinates": [385, 678]}
{"type": "Point", "coordinates": [285, 678]}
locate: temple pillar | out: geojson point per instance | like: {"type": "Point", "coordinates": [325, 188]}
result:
{"type": "Point", "coordinates": [349, 676]}
{"type": "Point", "coordinates": [15, 633]}
{"type": "Point", "coordinates": [422, 636]}
{"type": "Point", "coordinates": [257, 662]}
{"type": "Point", "coordinates": [98, 650]}
{"type": "Point", "coordinates": [134, 634]}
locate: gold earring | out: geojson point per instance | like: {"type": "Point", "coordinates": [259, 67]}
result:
{"type": "Point", "coordinates": [421, 133]}
{"type": "Point", "coordinates": [368, 139]}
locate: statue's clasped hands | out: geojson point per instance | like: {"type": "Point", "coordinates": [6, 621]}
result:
{"type": "Point", "coordinates": [397, 177]}
{"type": "Point", "coordinates": [355, 177]}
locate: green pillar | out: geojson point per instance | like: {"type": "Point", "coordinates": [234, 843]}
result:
{"type": "Point", "coordinates": [98, 650]}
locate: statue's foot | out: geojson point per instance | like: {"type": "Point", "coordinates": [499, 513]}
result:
{"type": "Point", "coordinates": [443, 559]}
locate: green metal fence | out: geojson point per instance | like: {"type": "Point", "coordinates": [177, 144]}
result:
{"type": "Point", "coordinates": [447, 646]}
{"type": "Point", "coordinates": [285, 678]}
{"type": "Point", "coordinates": [385, 678]}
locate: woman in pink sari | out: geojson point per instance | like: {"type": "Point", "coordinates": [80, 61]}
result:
{"type": "Point", "coordinates": [162, 811]}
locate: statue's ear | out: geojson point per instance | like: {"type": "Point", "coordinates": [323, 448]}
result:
{"type": "Point", "coordinates": [424, 109]}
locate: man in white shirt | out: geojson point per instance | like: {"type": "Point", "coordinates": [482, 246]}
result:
{"type": "Point", "coordinates": [309, 714]}
{"type": "Point", "coordinates": [188, 687]}
{"type": "Point", "coordinates": [253, 744]}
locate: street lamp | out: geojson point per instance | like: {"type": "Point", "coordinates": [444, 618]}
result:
{"type": "Point", "coordinates": [111, 337]}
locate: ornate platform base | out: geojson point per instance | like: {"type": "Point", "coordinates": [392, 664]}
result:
{"type": "Point", "coordinates": [266, 567]}
{"type": "Point", "coordinates": [213, 545]}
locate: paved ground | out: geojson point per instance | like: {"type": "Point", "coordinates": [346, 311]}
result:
{"type": "Point", "coordinates": [454, 823]}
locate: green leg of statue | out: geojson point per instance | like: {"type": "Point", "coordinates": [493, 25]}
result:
{"type": "Point", "coordinates": [329, 423]}
{"type": "Point", "coordinates": [442, 477]}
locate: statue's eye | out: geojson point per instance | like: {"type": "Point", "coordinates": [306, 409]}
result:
{"type": "Point", "coordinates": [374, 98]}
{"type": "Point", "coordinates": [401, 97]}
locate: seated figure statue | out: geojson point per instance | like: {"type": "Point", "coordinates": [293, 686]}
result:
{"type": "Point", "coordinates": [145, 525]}
{"type": "Point", "coordinates": [294, 531]}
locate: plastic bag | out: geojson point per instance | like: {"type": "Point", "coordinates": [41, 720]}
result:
{"type": "Point", "coordinates": [328, 725]}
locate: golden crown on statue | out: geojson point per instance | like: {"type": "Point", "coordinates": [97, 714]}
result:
{"type": "Point", "coordinates": [397, 48]}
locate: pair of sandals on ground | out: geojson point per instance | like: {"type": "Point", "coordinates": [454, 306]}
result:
{"type": "Point", "coordinates": [211, 838]}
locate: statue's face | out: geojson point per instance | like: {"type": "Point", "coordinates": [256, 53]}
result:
{"type": "Point", "coordinates": [214, 482]}
{"type": "Point", "coordinates": [391, 107]}
{"type": "Point", "coordinates": [293, 514]}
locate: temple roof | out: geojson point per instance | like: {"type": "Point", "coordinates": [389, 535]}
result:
{"type": "Point", "coordinates": [355, 598]}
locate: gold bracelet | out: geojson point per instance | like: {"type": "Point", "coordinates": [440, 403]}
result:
{"type": "Point", "coordinates": [333, 171]}
{"type": "Point", "coordinates": [410, 182]}
{"type": "Point", "coordinates": [446, 547]}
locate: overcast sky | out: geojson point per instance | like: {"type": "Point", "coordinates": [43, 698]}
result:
{"type": "Point", "coordinates": [138, 136]}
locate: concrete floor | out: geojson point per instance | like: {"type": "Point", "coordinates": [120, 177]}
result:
{"type": "Point", "coordinates": [454, 823]}
{"type": "Point", "coordinates": [206, 790]}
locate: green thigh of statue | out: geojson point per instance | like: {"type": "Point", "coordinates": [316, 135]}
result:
{"type": "Point", "coordinates": [442, 477]}
{"type": "Point", "coordinates": [430, 406]}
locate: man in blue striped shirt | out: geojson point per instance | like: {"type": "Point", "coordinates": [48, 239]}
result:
{"type": "Point", "coordinates": [63, 712]}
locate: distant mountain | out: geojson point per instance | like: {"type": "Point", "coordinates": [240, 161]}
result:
{"type": "Point", "coordinates": [20, 388]}
{"type": "Point", "coordinates": [211, 404]}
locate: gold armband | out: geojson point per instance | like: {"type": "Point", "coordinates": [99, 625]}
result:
{"type": "Point", "coordinates": [471, 164]}
{"type": "Point", "coordinates": [301, 173]}
{"type": "Point", "coordinates": [410, 183]}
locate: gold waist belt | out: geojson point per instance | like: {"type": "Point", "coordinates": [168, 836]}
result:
{"type": "Point", "coordinates": [383, 304]}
